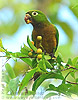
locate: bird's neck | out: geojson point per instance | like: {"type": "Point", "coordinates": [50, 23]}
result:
{"type": "Point", "coordinates": [41, 25]}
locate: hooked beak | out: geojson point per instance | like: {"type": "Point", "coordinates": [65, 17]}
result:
{"type": "Point", "coordinates": [27, 18]}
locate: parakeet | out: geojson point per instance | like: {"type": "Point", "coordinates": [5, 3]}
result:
{"type": "Point", "coordinates": [43, 27]}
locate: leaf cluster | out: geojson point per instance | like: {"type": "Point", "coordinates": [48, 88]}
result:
{"type": "Point", "coordinates": [40, 70]}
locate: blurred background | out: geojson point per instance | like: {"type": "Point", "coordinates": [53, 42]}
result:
{"type": "Point", "coordinates": [14, 30]}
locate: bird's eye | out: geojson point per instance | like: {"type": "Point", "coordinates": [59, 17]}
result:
{"type": "Point", "coordinates": [34, 13]}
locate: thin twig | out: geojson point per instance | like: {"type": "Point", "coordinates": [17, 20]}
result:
{"type": "Point", "coordinates": [69, 68]}
{"type": "Point", "coordinates": [71, 82]}
{"type": "Point", "coordinates": [3, 56]}
{"type": "Point", "coordinates": [17, 57]}
{"type": "Point", "coordinates": [5, 62]}
{"type": "Point", "coordinates": [25, 57]}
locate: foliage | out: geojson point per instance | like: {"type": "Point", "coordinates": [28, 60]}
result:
{"type": "Point", "coordinates": [45, 68]}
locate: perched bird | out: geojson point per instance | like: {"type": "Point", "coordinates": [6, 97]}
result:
{"type": "Point", "coordinates": [42, 27]}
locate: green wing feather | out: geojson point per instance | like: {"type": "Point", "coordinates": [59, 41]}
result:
{"type": "Point", "coordinates": [57, 38]}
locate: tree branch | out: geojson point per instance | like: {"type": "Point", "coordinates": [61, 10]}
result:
{"type": "Point", "coordinates": [69, 68]}
{"type": "Point", "coordinates": [5, 62]}
{"type": "Point", "coordinates": [71, 82]}
{"type": "Point", "coordinates": [16, 57]}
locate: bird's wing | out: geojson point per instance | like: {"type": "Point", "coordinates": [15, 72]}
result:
{"type": "Point", "coordinates": [57, 38]}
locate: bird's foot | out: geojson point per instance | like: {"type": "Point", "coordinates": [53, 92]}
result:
{"type": "Point", "coordinates": [45, 52]}
{"type": "Point", "coordinates": [52, 55]}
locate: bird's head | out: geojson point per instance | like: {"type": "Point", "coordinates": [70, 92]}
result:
{"type": "Point", "coordinates": [35, 17]}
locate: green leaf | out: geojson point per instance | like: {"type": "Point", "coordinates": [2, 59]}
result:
{"type": "Point", "coordinates": [30, 93]}
{"type": "Point", "coordinates": [74, 89]}
{"type": "Point", "coordinates": [52, 87]}
{"type": "Point", "coordinates": [52, 62]}
{"type": "Point", "coordinates": [10, 71]}
{"type": "Point", "coordinates": [77, 80]}
{"type": "Point", "coordinates": [34, 63]}
{"type": "Point", "coordinates": [1, 45]}
{"type": "Point", "coordinates": [73, 74]}
{"type": "Point", "coordinates": [25, 50]}
{"type": "Point", "coordinates": [63, 88]}
{"type": "Point", "coordinates": [6, 78]}
{"type": "Point", "coordinates": [43, 77]}
{"type": "Point", "coordinates": [26, 79]}
{"type": "Point", "coordinates": [28, 61]}
{"type": "Point", "coordinates": [69, 61]}
{"type": "Point", "coordinates": [2, 50]}
{"type": "Point", "coordinates": [13, 85]}
{"type": "Point", "coordinates": [42, 65]}
{"type": "Point", "coordinates": [66, 77]}
{"type": "Point", "coordinates": [6, 89]}
{"type": "Point", "coordinates": [50, 94]}
{"type": "Point", "coordinates": [14, 58]}
{"type": "Point", "coordinates": [75, 62]}
{"type": "Point", "coordinates": [48, 65]}
{"type": "Point", "coordinates": [31, 45]}
{"type": "Point", "coordinates": [74, 9]}
{"type": "Point", "coordinates": [47, 57]}
{"type": "Point", "coordinates": [59, 59]}
{"type": "Point", "coordinates": [16, 55]}
{"type": "Point", "coordinates": [24, 94]}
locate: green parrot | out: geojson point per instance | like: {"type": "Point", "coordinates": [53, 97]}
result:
{"type": "Point", "coordinates": [42, 27]}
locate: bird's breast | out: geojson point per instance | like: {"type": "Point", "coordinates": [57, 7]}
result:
{"type": "Point", "coordinates": [48, 38]}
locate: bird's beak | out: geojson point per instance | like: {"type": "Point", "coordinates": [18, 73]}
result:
{"type": "Point", "coordinates": [27, 18]}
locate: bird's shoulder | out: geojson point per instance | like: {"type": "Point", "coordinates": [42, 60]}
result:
{"type": "Point", "coordinates": [46, 28]}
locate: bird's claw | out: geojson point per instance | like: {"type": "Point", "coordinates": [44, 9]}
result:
{"type": "Point", "coordinates": [52, 55]}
